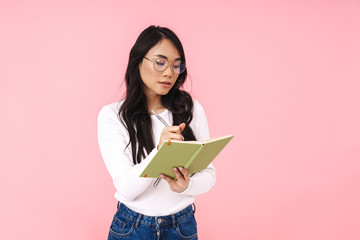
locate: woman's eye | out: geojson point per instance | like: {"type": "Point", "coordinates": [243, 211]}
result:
{"type": "Point", "coordinates": [160, 63]}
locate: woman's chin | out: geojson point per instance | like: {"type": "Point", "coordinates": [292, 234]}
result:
{"type": "Point", "coordinates": [164, 92]}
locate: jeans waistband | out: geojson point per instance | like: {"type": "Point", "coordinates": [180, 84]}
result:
{"type": "Point", "coordinates": [156, 221]}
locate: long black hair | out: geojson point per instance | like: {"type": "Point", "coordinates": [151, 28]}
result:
{"type": "Point", "coordinates": [134, 113]}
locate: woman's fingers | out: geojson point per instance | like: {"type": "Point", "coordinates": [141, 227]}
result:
{"type": "Point", "coordinates": [177, 129]}
{"type": "Point", "coordinates": [174, 136]}
{"type": "Point", "coordinates": [170, 136]}
{"type": "Point", "coordinates": [178, 174]}
{"type": "Point", "coordinates": [171, 133]}
{"type": "Point", "coordinates": [185, 173]}
{"type": "Point", "coordinates": [166, 178]}
{"type": "Point", "coordinates": [182, 127]}
{"type": "Point", "coordinates": [182, 182]}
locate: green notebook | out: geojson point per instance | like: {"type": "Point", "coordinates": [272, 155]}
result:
{"type": "Point", "coordinates": [192, 155]}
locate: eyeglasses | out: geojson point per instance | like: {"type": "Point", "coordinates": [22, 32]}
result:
{"type": "Point", "coordinates": [161, 64]}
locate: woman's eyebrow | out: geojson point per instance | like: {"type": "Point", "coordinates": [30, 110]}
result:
{"type": "Point", "coordinates": [162, 56]}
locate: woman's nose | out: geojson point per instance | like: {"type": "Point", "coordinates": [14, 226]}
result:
{"type": "Point", "coordinates": [168, 71]}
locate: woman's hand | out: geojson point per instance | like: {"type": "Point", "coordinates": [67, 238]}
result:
{"type": "Point", "coordinates": [171, 133]}
{"type": "Point", "coordinates": [182, 182]}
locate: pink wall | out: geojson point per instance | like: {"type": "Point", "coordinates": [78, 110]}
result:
{"type": "Point", "coordinates": [282, 77]}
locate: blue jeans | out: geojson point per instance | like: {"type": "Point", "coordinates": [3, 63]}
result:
{"type": "Point", "coordinates": [128, 224]}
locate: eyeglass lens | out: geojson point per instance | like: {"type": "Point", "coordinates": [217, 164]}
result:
{"type": "Point", "coordinates": [161, 64]}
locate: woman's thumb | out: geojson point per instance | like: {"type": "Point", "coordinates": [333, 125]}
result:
{"type": "Point", "coordinates": [182, 127]}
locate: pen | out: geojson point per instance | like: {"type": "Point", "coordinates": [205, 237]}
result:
{"type": "Point", "coordinates": [161, 120]}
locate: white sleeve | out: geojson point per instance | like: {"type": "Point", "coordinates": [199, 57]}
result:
{"type": "Point", "coordinates": [204, 180]}
{"type": "Point", "coordinates": [118, 158]}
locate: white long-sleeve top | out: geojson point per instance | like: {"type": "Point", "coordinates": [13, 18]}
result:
{"type": "Point", "coordinates": [137, 193]}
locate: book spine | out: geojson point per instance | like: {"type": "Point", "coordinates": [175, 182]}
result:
{"type": "Point", "coordinates": [193, 157]}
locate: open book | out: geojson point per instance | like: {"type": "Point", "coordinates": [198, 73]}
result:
{"type": "Point", "coordinates": [192, 155]}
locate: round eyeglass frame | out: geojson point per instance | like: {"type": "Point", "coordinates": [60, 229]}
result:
{"type": "Point", "coordinates": [167, 65]}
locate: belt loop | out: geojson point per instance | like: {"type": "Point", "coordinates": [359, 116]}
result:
{"type": "Point", "coordinates": [173, 220]}
{"type": "Point", "coordinates": [118, 205]}
{"type": "Point", "coordinates": [194, 210]}
{"type": "Point", "coordinates": [138, 220]}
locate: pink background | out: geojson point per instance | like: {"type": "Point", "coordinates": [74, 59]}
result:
{"type": "Point", "coordinates": [282, 77]}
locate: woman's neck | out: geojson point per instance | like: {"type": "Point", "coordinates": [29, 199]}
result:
{"type": "Point", "coordinates": [155, 104]}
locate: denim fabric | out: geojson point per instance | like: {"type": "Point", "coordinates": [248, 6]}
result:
{"type": "Point", "coordinates": [128, 224]}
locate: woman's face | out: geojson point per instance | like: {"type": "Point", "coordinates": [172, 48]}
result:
{"type": "Point", "coordinates": [159, 83]}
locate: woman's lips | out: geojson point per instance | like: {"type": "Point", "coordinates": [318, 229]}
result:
{"type": "Point", "coordinates": [165, 84]}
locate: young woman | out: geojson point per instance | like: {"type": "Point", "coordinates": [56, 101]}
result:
{"type": "Point", "coordinates": [130, 135]}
